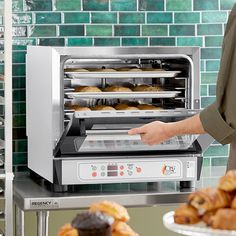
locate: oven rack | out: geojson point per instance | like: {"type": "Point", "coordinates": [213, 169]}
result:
{"type": "Point", "coordinates": [123, 74]}
{"type": "Point", "coordinates": [110, 95]}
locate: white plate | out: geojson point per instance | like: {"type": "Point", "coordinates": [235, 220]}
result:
{"type": "Point", "coordinates": [199, 229]}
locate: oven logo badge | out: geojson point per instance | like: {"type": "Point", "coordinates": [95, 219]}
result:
{"type": "Point", "coordinates": [168, 170]}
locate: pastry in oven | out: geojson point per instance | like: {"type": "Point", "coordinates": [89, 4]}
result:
{"type": "Point", "coordinates": [102, 108]}
{"type": "Point", "coordinates": [75, 70]}
{"type": "Point", "coordinates": [114, 88]}
{"type": "Point", "coordinates": [148, 107]}
{"type": "Point", "coordinates": [146, 88]}
{"type": "Point", "coordinates": [106, 70]}
{"type": "Point", "coordinates": [125, 107]}
{"type": "Point", "coordinates": [228, 181]}
{"type": "Point", "coordinates": [186, 214]}
{"type": "Point", "coordinates": [135, 69]}
{"type": "Point", "coordinates": [208, 199]}
{"type": "Point", "coordinates": [77, 108]}
{"type": "Point", "coordinates": [120, 228]}
{"type": "Point", "coordinates": [224, 219]}
{"type": "Point", "coordinates": [118, 212]}
{"type": "Point", "coordinates": [88, 89]}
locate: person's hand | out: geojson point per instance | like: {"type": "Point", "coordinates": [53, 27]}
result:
{"type": "Point", "coordinates": [153, 133]}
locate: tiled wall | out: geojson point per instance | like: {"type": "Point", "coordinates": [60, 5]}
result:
{"type": "Point", "coordinates": [118, 23]}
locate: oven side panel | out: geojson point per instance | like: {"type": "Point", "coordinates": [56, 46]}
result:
{"type": "Point", "coordinates": [42, 109]}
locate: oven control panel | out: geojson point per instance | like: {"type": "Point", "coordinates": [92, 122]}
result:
{"type": "Point", "coordinates": [141, 170]}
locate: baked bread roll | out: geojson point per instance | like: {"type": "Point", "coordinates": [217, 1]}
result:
{"type": "Point", "coordinates": [75, 70]}
{"type": "Point", "coordinates": [148, 107]}
{"type": "Point", "coordinates": [228, 182]}
{"type": "Point", "coordinates": [88, 89]}
{"type": "Point", "coordinates": [224, 219]}
{"type": "Point", "coordinates": [120, 228]}
{"type": "Point", "coordinates": [117, 89]}
{"type": "Point", "coordinates": [125, 107]}
{"type": "Point", "coordinates": [208, 199]}
{"type": "Point", "coordinates": [67, 230]}
{"type": "Point", "coordinates": [206, 218]}
{"type": "Point", "coordinates": [102, 108]}
{"type": "Point", "coordinates": [118, 212]}
{"type": "Point", "coordinates": [146, 88]}
{"type": "Point", "coordinates": [186, 214]}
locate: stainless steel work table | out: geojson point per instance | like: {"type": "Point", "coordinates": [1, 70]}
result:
{"type": "Point", "coordinates": [30, 195]}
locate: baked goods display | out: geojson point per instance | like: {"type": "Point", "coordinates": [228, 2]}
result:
{"type": "Point", "coordinates": [148, 107]}
{"type": "Point", "coordinates": [216, 207]}
{"type": "Point", "coordinates": [125, 107]}
{"type": "Point", "coordinates": [75, 70]}
{"type": "Point", "coordinates": [104, 218]}
{"type": "Point", "coordinates": [117, 89]}
{"type": "Point", "coordinates": [102, 108]}
{"type": "Point", "coordinates": [146, 88]}
{"type": "Point", "coordinates": [88, 89]}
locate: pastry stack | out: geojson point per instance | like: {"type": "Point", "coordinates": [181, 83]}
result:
{"type": "Point", "coordinates": [214, 206]}
{"type": "Point", "coordinates": [103, 218]}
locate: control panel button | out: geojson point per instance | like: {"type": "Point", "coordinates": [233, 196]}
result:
{"type": "Point", "coordinates": [122, 173]}
{"type": "Point", "coordinates": [130, 173]}
{"type": "Point", "coordinates": [122, 167]}
{"type": "Point", "coordinates": [139, 170]}
{"type": "Point", "coordinates": [103, 174]}
{"type": "Point", "coordinates": [103, 167]}
{"type": "Point", "coordinates": [94, 174]}
{"type": "Point", "coordinates": [94, 167]}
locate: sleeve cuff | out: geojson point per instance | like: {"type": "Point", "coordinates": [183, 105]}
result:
{"type": "Point", "coordinates": [214, 124]}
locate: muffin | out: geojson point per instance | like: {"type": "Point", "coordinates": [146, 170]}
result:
{"type": "Point", "coordinates": [125, 107]}
{"type": "Point", "coordinates": [87, 89]}
{"type": "Point", "coordinates": [148, 107]}
{"type": "Point", "coordinates": [117, 89]}
{"type": "Point", "coordinates": [93, 224]}
{"type": "Point", "coordinates": [102, 108]}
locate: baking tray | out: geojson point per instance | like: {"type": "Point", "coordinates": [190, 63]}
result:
{"type": "Point", "coordinates": [123, 74]}
{"type": "Point", "coordinates": [101, 95]}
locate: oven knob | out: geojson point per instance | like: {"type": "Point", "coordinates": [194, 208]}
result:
{"type": "Point", "coordinates": [94, 174]}
{"type": "Point", "coordinates": [103, 167]}
{"type": "Point", "coordinates": [94, 167]}
{"type": "Point", "coordinates": [122, 167]}
{"type": "Point", "coordinates": [103, 174]}
{"type": "Point", "coordinates": [122, 173]}
{"type": "Point", "coordinates": [130, 172]}
{"type": "Point", "coordinates": [139, 170]}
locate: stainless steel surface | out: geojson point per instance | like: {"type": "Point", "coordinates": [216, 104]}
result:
{"type": "Point", "coordinates": [20, 222]}
{"type": "Point", "coordinates": [42, 223]}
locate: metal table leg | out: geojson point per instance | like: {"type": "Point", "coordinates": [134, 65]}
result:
{"type": "Point", "coordinates": [20, 222]}
{"type": "Point", "coordinates": [42, 223]}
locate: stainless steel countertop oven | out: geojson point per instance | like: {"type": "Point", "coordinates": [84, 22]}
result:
{"type": "Point", "coordinates": [81, 101]}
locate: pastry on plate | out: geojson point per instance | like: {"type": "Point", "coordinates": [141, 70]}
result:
{"type": "Point", "coordinates": [208, 199]}
{"type": "Point", "coordinates": [88, 89]}
{"type": "Point", "coordinates": [115, 88]}
{"type": "Point", "coordinates": [125, 107]}
{"type": "Point", "coordinates": [67, 230]}
{"type": "Point", "coordinates": [186, 214]}
{"type": "Point", "coordinates": [148, 107]}
{"type": "Point", "coordinates": [120, 228]}
{"type": "Point", "coordinates": [102, 108]}
{"type": "Point", "coordinates": [206, 218]}
{"type": "Point", "coordinates": [228, 181]}
{"type": "Point", "coordinates": [118, 212]}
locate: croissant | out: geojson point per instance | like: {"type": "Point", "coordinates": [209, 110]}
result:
{"type": "Point", "coordinates": [228, 182]}
{"type": "Point", "coordinates": [206, 218]}
{"type": "Point", "coordinates": [186, 214]}
{"type": "Point", "coordinates": [120, 228]}
{"type": "Point", "coordinates": [224, 219]}
{"type": "Point", "coordinates": [208, 199]}
{"type": "Point", "coordinates": [233, 204]}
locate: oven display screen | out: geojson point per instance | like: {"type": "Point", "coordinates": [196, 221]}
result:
{"type": "Point", "coordinates": [112, 167]}
{"type": "Point", "coordinates": [114, 173]}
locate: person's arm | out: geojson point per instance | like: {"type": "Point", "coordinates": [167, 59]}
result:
{"type": "Point", "coordinates": [157, 132]}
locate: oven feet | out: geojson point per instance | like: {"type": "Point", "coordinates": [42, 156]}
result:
{"type": "Point", "coordinates": [59, 188]}
{"type": "Point", "coordinates": [186, 184]}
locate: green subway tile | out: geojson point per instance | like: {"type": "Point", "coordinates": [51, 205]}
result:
{"type": "Point", "coordinates": [154, 30]}
{"type": "Point", "coordinates": [38, 5]}
{"type": "Point", "coordinates": [17, 5]}
{"type": "Point", "coordinates": [18, 82]}
{"type": "Point", "coordinates": [159, 18]}
{"type": "Point", "coordinates": [19, 108]}
{"type": "Point", "coordinates": [187, 17]}
{"type": "Point", "coordinates": [19, 95]}
{"type": "Point", "coordinates": [19, 158]}
{"type": "Point", "coordinates": [18, 57]}
{"type": "Point", "coordinates": [104, 18]}
{"type": "Point", "coordinates": [212, 90]}
{"type": "Point", "coordinates": [213, 41]}
{"type": "Point", "coordinates": [115, 187]}
{"type": "Point", "coordinates": [99, 30]}
{"type": "Point", "coordinates": [182, 30]}
{"type": "Point", "coordinates": [127, 30]}
{"type": "Point", "coordinates": [206, 162]}
{"type": "Point", "coordinates": [19, 133]}
{"type": "Point", "coordinates": [48, 18]}
{"type": "Point", "coordinates": [213, 65]}
{"type": "Point", "coordinates": [19, 146]}
{"type": "Point", "coordinates": [219, 161]}
{"type": "Point", "coordinates": [209, 29]}
{"type": "Point", "coordinates": [227, 4]}
{"type": "Point", "coordinates": [76, 17]}
{"type": "Point", "coordinates": [51, 42]}
{"type": "Point", "coordinates": [138, 186]}
{"type": "Point", "coordinates": [96, 5]}
{"type": "Point", "coordinates": [203, 90]}
{"type": "Point", "coordinates": [176, 5]}
{"type": "Point", "coordinates": [156, 41]}
{"type": "Point", "coordinates": [22, 18]}
{"type": "Point", "coordinates": [214, 17]}
{"type": "Point", "coordinates": [205, 5]}
{"type": "Point", "coordinates": [19, 121]}
{"type": "Point", "coordinates": [210, 53]}
{"type": "Point", "coordinates": [121, 5]}
{"type": "Point", "coordinates": [136, 18]}
{"type": "Point", "coordinates": [71, 30]}
{"type": "Point", "coordinates": [65, 5]}
{"type": "Point", "coordinates": [203, 65]}
{"type": "Point", "coordinates": [151, 5]}
{"type": "Point", "coordinates": [22, 43]}
{"type": "Point", "coordinates": [80, 42]}
{"type": "Point", "coordinates": [206, 101]}
{"type": "Point", "coordinates": [190, 41]}
{"type": "Point", "coordinates": [42, 31]}
{"type": "Point", "coordinates": [106, 41]}
{"type": "Point", "coordinates": [135, 42]}
{"type": "Point", "coordinates": [209, 78]}
{"type": "Point", "coordinates": [18, 70]}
